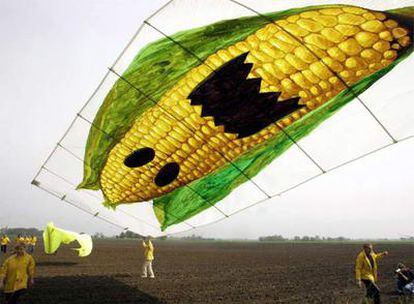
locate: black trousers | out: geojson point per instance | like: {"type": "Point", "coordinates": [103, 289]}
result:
{"type": "Point", "coordinates": [4, 248]}
{"type": "Point", "coordinates": [12, 298]}
{"type": "Point", "coordinates": [373, 291]}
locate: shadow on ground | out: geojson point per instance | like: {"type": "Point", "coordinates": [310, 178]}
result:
{"type": "Point", "coordinates": [84, 290]}
{"type": "Point", "coordinates": [46, 264]}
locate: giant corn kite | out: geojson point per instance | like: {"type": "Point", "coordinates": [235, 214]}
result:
{"type": "Point", "coordinates": [201, 112]}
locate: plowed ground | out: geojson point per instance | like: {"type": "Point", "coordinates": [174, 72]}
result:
{"type": "Point", "coordinates": [211, 272]}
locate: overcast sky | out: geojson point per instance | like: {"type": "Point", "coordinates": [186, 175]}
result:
{"type": "Point", "coordinates": [52, 56]}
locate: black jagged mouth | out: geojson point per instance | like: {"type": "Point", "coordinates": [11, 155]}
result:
{"type": "Point", "coordinates": [236, 102]}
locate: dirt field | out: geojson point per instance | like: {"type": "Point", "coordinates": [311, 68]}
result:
{"type": "Point", "coordinates": [211, 272]}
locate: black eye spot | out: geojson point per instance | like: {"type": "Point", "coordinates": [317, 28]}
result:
{"type": "Point", "coordinates": [139, 157]}
{"type": "Point", "coordinates": [167, 174]}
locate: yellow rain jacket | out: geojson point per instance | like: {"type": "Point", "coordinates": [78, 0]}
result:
{"type": "Point", "coordinates": [149, 251]}
{"type": "Point", "coordinates": [20, 240]}
{"type": "Point", "coordinates": [363, 268]}
{"type": "Point", "coordinates": [16, 272]}
{"type": "Point", "coordinates": [5, 240]}
{"type": "Point", "coordinates": [33, 241]}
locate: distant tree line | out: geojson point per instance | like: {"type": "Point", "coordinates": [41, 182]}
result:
{"type": "Point", "coordinates": [23, 231]}
{"type": "Point", "coordinates": [129, 235]}
{"type": "Point", "coordinates": [316, 238]}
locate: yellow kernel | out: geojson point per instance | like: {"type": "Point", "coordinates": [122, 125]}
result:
{"type": "Point", "coordinates": [350, 47]}
{"type": "Point", "coordinates": [390, 23]}
{"type": "Point", "coordinates": [373, 26]}
{"type": "Point", "coordinates": [350, 19]}
{"type": "Point", "coordinates": [261, 56]}
{"type": "Point", "coordinates": [270, 50]}
{"type": "Point", "coordinates": [371, 55]}
{"type": "Point", "coordinates": [271, 68]}
{"type": "Point", "coordinates": [332, 64]}
{"type": "Point", "coordinates": [337, 54]}
{"type": "Point", "coordinates": [300, 80]}
{"type": "Point", "coordinates": [346, 75]}
{"type": "Point", "coordinates": [304, 54]}
{"type": "Point", "coordinates": [366, 39]}
{"type": "Point", "coordinates": [381, 46]}
{"type": "Point", "coordinates": [354, 62]}
{"type": "Point", "coordinates": [296, 62]}
{"type": "Point", "coordinates": [324, 85]}
{"type": "Point", "coordinates": [386, 35]}
{"type": "Point", "coordinates": [331, 11]}
{"type": "Point", "coordinates": [332, 35]}
{"type": "Point", "coordinates": [281, 45]}
{"type": "Point", "coordinates": [309, 14]}
{"type": "Point", "coordinates": [368, 16]}
{"type": "Point", "coordinates": [303, 94]}
{"type": "Point", "coordinates": [320, 70]}
{"type": "Point", "coordinates": [263, 34]}
{"type": "Point", "coordinates": [243, 46]}
{"type": "Point", "coordinates": [319, 41]}
{"type": "Point", "coordinates": [254, 41]}
{"type": "Point", "coordinates": [317, 51]}
{"type": "Point", "coordinates": [286, 37]}
{"type": "Point", "coordinates": [328, 21]}
{"type": "Point", "coordinates": [310, 25]}
{"type": "Point", "coordinates": [404, 41]}
{"type": "Point", "coordinates": [334, 80]}
{"type": "Point", "coordinates": [399, 32]}
{"type": "Point", "coordinates": [293, 19]}
{"type": "Point", "coordinates": [380, 16]}
{"type": "Point", "coordinates": [396, 46]}
{"type": "Point", "coordinates": [354, 10]}
{"type": "Point", "coordinates": [284, 66]}
{"type": "Point", "coordinates": [225, 55]}
{"type": "Point", "coordinates": [315, 90]}
{"type": "Point", "coordinates": [391, 55]}
{"type": "Point", "coordinates": [282, 23]}
{"type": "Point", "coordinates": [310, 76]}
{"type": "Point", "coordinates": [347, 30]}
{"type": "Point", "coordinates": [289, 85]}
{"type": "Point", "coordinates": [296, 30]}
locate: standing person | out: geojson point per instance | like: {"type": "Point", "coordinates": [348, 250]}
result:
{"type": "Point", "coordinates": [33, 242]}
{"type": "Point", "coordinates": [4, 241]}
{"type": "Point", "coordinates": [405, 279]}
{"type": "Point", "coordinates": [149, 257]}
{"type": "Point", "coordinates": [366, 271]}
{"type": "Point", "coordinates": [19, 239]}
{"type": "Point", "coordinates": [16, 274]}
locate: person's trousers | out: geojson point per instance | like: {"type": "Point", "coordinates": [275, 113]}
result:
{"type": "Point", "coordinates": [373, 291]}
{"type": "Point", "coordinates": [13, 297]}
{"type": "Point", "coordinates": [4, 248]}
{"type": "Point", "coordinates": [147, 269]}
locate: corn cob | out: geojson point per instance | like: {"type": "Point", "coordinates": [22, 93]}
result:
{"type": "Point", "coordinates": [299, 56]}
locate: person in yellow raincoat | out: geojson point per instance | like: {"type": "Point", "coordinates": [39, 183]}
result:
{"type": "Point", "coordinates": [149, 257]}
{"type": "Point", "coordinates": [31, 244]}
{"type": "Point", "coordinates": [4, 241]}
{"type": "Point", "coordinates": [17, 274]}
{"type": "Point", "coordinates": [20, 239]}
{"type": "Point", "coordinates": [366, 271]}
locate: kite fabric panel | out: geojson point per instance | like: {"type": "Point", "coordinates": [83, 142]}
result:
{"type": "Point", "coordinates": [53, 237]}
{"type": "Point", "coordinates": [202, 117]}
